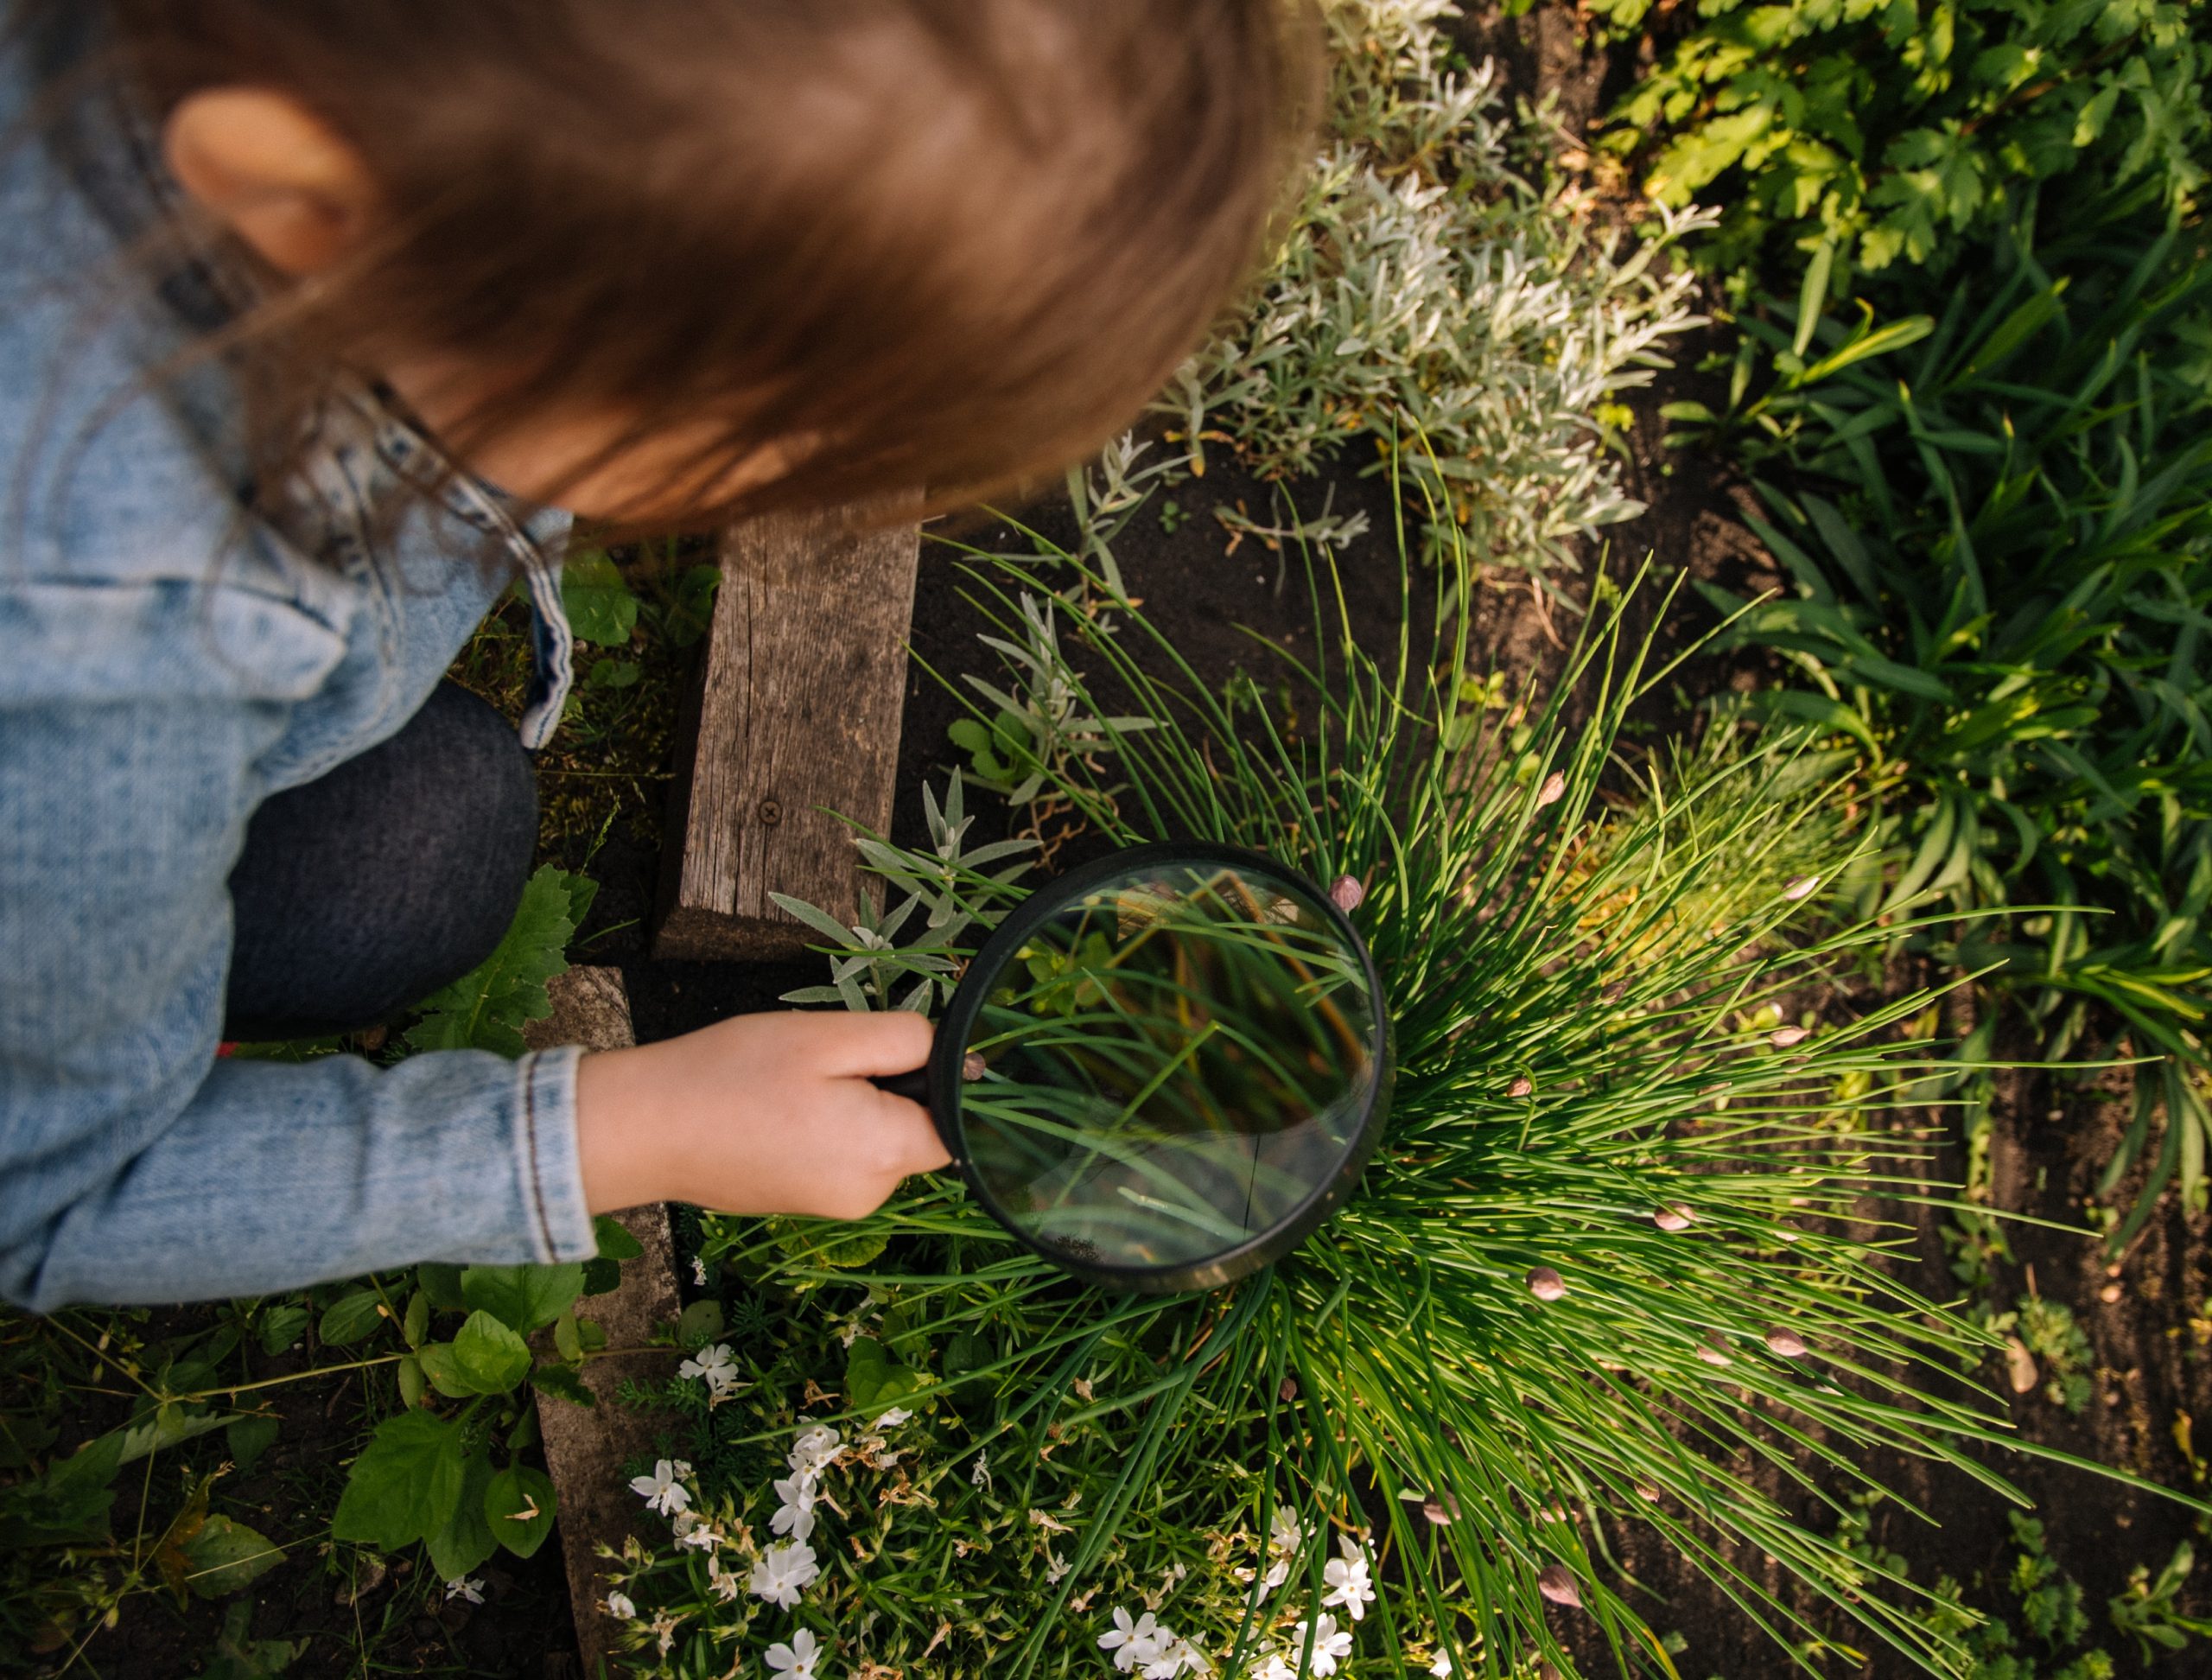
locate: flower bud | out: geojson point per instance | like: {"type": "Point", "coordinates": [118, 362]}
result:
{"type": "Point", "coordinates": [1522, 1086]}
{"type": "Point", "coordinates": [1783, 1037]}
{"type": "Point", "coordinates": [973, 1067]}
{"type": "Point", "coordinates": [1674, 1216]}
{"type": "Point", "coordinates": [1546, 1284]}
{"type": "Point", "coordinates": [1557, 1585]}
{"type": "Point", "coordinates": [1288, 1391]}
{"type": "Point", "coordinates": [1346, 894]}
{"type": "Point", "coordinates": [1553, 791]}
{"type": "Point", "coordinates": [1803, 887]}
{"type": "Point", "coordinates": [1787, 1343]}
{"type": "Point", "coordinates": [1711, 1355]}
{"type": "Point", "coordinates": [1647, 1492]}
{"type": "Point", "coordinates": [1439, 1509]}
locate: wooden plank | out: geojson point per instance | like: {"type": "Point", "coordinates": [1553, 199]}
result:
{"type": "Point", "coordinates": [586, 1447]}
{"type": "Point", "coordinates": [796, 714]}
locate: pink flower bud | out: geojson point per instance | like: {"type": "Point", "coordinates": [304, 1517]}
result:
{"type": "Point", "coordinates": [1711, 1355]}
{"type": "Point", "coordinates": [1346, 894]}
{"type": "Point", "coordinates": [1557, 1585]}
{"type": "Point", "coordinates": [1647, 1492]}
{"type": "Point", "coordinates": [1546, 1284]}
{"type": "Point", "coordinates": [1674, 1216]}
{"type": "Point", "coordinates": [1803, 887]}
{"type": "Point", "coordinates": [1553, 791]}
{"type": "Point", "coordinates": [1783, 1037]}
{"type": "Point", "coordinates": [1522, 1086]}
{"type": "Point", "coordinates": [973, 1067]}
{"type": "Point", "coordinates": [1440, 1509]}
{"type": "Point", "coordinates": [1787, 1343]}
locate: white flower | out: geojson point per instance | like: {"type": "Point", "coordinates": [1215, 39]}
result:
{"type": "Point", "coordinates": [1277, 1667]}
{"type": "Point", "coordinates": [665, 1626]}
{"type": "Point", "coordinates": [796, 1661]}
{"type": "Point", "coordinates": [1056, 1567]}
{"type": "Point", "coordinates": [795, 1508]}
{"type": "Point", "coordinates": [816, 1449]}
{"type": "Point", "coordinates": [662, 1490]}
{"type": "Point", "coordinates": [469, 1589]}
{"type": "Point", "coordinates": [980, 1475]}
{"type": "Point", "coordinates": [716, 1366]}
{"type": "Point", "coordinates": [1348, 1581]}
{"type": "Point", "coordinates": [724, 1581]}
{"type": "Point", "coordinates": [783, 1573]}
{"type": "Point", "coordinates": [701, 1536]}
{"type": "Point", "coordinates": [1133, 1644]}
{"type": "Point", "coordinates": [698, 1271]}
{"type": "Point", "coordinates": [1284, 1537]}
{"type": "Point", "coordinates": [1178, 1655]}
{"type": "Point", "coordinates": [894, 1418]}
{"type": "Point", "coordinates": [1330, 1647]}
{"type": "Point", "coordinates": [618, 1604]}
{"type": "Point", "coordinates": [1441, 1667]}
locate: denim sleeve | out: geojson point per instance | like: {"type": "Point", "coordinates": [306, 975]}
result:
{"type": "Point", "coordinates": [135, 1166]}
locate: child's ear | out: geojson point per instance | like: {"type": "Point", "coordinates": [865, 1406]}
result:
{"type": "Point", "coordinates": [273, 173]}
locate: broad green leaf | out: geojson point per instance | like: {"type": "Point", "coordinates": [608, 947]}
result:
{"type": "Point", "coordinates": [248, 1438]}
{"type": "Point", "coordinates": [466, 1540]}
{"type": "Point", "coordinates": [492, 1355]}
{"type": "Point", "coordinates": [403, 1486]}
{"type": "Point", "coordinates": [351, 1317]}
{"type": "Point", "coordinates": [693, 609]}
{"type": "Point", "coordinates": [224, 1556]}
{"type": "Point", "coordinates": [700, 1323]}
{"type": "Point", "coordinates": [614, 1240]}
{"type": "Point", "coordinates": [171, 1424]}
{"type": "Point", "coordinates": [284, 1325]}
{"type": "Point", "coordinates": [518, 1506]}
{"type": "Point", "coordinates": [442, 1284]}
{"type": "Point", "coordinates": [600, 607]}
{"type": "Point", "coordinates": [562, 1381]}
{"type": "Point", "coordinates": [524, 1298]}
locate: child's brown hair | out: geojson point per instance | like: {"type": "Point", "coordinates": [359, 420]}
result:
{"type": "Point", "coordinates": [941, 244]}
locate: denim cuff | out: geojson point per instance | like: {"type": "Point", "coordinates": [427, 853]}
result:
{"type": "Point", "coordinates": [548, 1164]}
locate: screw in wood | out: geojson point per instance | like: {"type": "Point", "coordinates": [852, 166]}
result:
{"type": "Point", "coordinates": [770, 813]}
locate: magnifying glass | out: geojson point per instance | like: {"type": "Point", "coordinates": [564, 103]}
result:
{"type": "Point", "coordinates": [1164, 1069]}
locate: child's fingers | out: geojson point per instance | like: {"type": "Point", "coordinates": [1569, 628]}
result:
{"type": "Point", "coordinates": [864, 1045]}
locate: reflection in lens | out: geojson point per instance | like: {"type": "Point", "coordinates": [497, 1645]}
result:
{"type": "Point", "coordinates": [1172, 1065]}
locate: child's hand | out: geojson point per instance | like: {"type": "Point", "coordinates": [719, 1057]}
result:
{"type": "Point", "coordinates": [759, 1114]}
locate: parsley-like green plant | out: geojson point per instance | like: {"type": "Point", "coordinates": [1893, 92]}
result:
{"type": "Point", "coordinates": [1604, 1271]}
{"type": "Point", "coordinates": [1901, 133]}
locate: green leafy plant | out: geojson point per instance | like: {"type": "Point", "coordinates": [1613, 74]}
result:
{"type": "Point", "coordinates": [1610, 1217]}
{"type": "Point", "coordinates": [1423, 286]}
{"type": "Point", "coordinates": [1996, 544]}
{"type": "Point", "coordinates": [2148, 1610]}
{"type": "Point", "coordinates": [1883, 133]}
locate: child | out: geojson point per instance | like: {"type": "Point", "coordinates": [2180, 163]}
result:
{"type": "Point", "coordinates": [289, 289]}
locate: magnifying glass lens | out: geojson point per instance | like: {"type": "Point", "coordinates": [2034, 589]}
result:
{"type": "Point", "coordinates": [1177, 1061]}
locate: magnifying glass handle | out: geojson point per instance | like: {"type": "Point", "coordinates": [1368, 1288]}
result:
{"type": "Point", "coordinates": [914, 1086]}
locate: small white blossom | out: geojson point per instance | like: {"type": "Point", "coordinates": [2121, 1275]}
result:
{"type": "Point", "coordinates": [715, 1366]}
{"type": "Point", "coordinates": [816, 1449]}
{"type": "Point", "coordinates": [724, 1581]}
{"type": "Point", "coordinates": [663, 1625]}
{"type": "Point", "coordinates": [618, 1604]}
{"type": "Point", "coordinates": [783, 1573]}
{"type": "Point", "coordinates": [796, 1661]}
{"type": "Point", "coordinates": [1277, 1667]}
{"type": "Point", "coordinates": [1134, 1643]}
{"type": "Point", "coordinates": [1441, 1667]}
{"type": "Point", "coordinates": [1347, 1579]}
{"type": "Point", "coordinates": [1056, 1567]}
{"type": "Point", "coordinates": [980, 1475]}
{"type": "Point", "coordinates": [794, 1515]}
{"type": "Point", "coordinates": [700, 1537]}
{"type": "Point", "coordinates": [698, 1271]}
{"type": "Point", "coordinates": [468, 1587]}
{"type": "Point", "coordinates": [1329, 1646]}
{"type": "Point", "coordinates": [663, 1490]}
{"type": "Point", "coordinates": [894, 1418]}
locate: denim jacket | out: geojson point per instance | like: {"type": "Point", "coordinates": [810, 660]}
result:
{"type": "Point", "coordinates": [167, 662]}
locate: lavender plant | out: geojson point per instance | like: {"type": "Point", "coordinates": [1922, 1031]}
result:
{"type": "Point", "coordinates": [1424, 284]}
{"type": "Point", "coordinates": [1612, 1268]}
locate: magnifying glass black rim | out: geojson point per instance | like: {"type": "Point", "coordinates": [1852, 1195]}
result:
{"type": "Point", "coordinates": [1047, 901]}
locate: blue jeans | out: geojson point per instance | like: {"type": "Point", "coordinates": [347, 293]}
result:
{"type": "Point", "coordinates": [366, 890]}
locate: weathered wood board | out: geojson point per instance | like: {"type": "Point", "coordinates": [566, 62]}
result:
{"type": "Point", "coordinates": [586, 1446]}
{"type": "Point", "coordinates": [795, 716]}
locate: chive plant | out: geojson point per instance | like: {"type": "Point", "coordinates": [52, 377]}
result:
{"type": "Point", "coordinates": [1612, 1264]}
